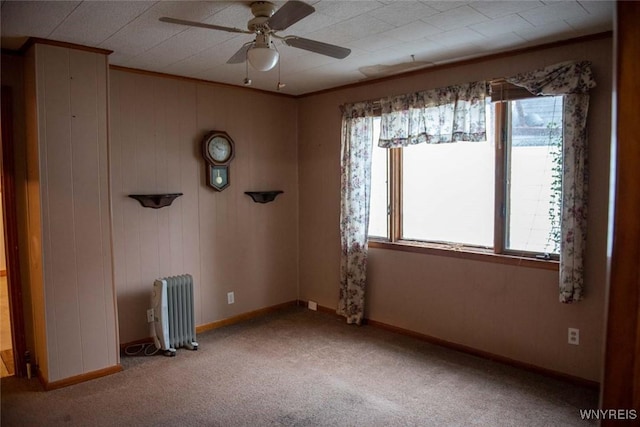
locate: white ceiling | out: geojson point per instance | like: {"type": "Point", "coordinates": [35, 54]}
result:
{"type": "Point", "coordinates": [379, 32]}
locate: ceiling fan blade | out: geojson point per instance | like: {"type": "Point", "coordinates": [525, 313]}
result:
{"type": "Point", "coordinates": [203, 25]}
{"type": "Point", "coordinates": [241, 55]}
{"type": "Point", "coordinates": [317, 47]}
{"type": "Point", "coordinates": [289, 14]}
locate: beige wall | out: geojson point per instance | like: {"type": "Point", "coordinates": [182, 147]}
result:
{"type": "Point", "coordinates": [505, 310]}
{"type": "Point", "coordinates": [69, 217]}
{"type": "Point", "coordinates": [224, 239]}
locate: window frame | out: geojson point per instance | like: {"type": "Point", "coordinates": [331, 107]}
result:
{"type": "Point", "coordinates": [499, 253]}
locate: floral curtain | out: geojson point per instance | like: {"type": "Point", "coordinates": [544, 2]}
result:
{"type": "Point", "coordinates": [355, 183]}
{"type": "Point", "coordinates": [573, 80]}
{"type": "Point", "coordinates": [453, 113]}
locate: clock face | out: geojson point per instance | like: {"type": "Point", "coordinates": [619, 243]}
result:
{"type": "Point", "coordinates": [219, 148]}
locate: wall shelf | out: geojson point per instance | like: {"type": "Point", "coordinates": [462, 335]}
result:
{"type": "Point", "coordinates": [155, 201]}
{"type": "Point", "coordinates": [263, 196]}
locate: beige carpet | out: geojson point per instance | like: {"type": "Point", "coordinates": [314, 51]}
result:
{"type": "Point", "coordinates": [303, 368]}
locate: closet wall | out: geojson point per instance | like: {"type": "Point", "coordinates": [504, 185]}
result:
{"type": "Point", "coordinates": [70, 251]}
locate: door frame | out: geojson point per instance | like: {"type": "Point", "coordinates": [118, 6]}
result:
{"type": "Point", "coordinates": [621, 375]}
{"type": "Point", "coordinates": [10, 224]}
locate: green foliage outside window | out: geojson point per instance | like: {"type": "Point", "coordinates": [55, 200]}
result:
{"type": "Point", "coordinates": [555, 203]}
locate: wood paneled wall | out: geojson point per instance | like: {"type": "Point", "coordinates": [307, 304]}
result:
{"type": "Point", "coordinates": [70, 227]}
{"type": "Point", "coordinates": [225, 240]}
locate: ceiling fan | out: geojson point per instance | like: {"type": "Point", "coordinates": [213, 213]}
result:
{"type": "Point", "coordinates": [261, 52]}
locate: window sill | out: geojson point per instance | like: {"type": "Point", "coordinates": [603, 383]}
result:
{"type": "Point", "coordinates": [483, 255]}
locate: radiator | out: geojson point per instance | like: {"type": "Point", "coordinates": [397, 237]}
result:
{"type": "Point", "coordinates": [172, 316]}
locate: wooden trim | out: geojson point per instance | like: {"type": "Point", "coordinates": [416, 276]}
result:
{"type": "Point", "coordinates": [305, 304]}
{"type": "Point", "coordinates": [500, 200]}
{"type": "Point", "coordinates": [225, 322]}
{"type": "Point", "coordinates": [504, 91]}
{"type": "Point", "coordinates": [194, 80]}
{"type": "Point", "coordinates": [621, 373]}
{"type": "Point", "coordinates": [436, 341]}
{"type": "Point", "coordinates": [395, 178]}
{"type": "Point", "coordinates": [607, 34]}
{"type": "Point", "coordinates": [245, 316]}
{"type": "Point", "coordinates": [465, 253]}
{"type": "Point", "coordinates": [390, 197]}
{"type": "Point", "coordinates": [470, 350]}
{"type": "Point", "coordinates": [11, 52]}
{"type": "Point", "coordinates": [37, 40]}
{"type": "Point", "coordinates": [11, 241]}
{"type": "Point", "coordinates": [328, 310]}
{"type": "Point", "coordinates": [3, 273]}
{"type": "Point", "coordinates": [48, 386]}
{"type": "Point", "coordinates": [465, 62]}
{"type": "Point", "coordinates": [486, 355]}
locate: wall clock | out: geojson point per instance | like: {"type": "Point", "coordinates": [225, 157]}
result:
{"type": "Point", "coordinates": [218, 150]}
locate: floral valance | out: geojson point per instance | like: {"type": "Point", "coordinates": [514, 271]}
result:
{"type": "Point", "coordinates": [558, 79]}
{"type": "Point", "coordinates": [453, 113]}
{"type": "Point", "coordinates": [358, 109]}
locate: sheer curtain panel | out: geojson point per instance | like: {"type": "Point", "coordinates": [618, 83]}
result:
{"type": "Point", "coordinates": [355, 183]}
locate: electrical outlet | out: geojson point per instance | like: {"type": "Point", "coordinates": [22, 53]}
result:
{"type": "Point", "coordinates": [150, 315]}
{"type": "Point", "coordinates": [574, 336]}
{"type": "Point", "coordinates": [230, 298]}
{"type": "Point", "coordinates": [313, 305]}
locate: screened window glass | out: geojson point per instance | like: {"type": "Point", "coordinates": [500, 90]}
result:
{"type": "Point", "coordinates": [534, 171]}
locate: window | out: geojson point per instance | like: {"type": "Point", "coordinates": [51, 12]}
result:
{"type": "Point", "coordinates": [379, 203]}
{"type": "Point", "coordinates": [501, 195]}
{"type": "Point", "coordinates": [534, 171]}
{"type": "Point", "coordinates": [447, 193]}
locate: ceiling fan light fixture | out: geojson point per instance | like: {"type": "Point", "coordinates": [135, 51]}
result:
{"type": "Point", "coordinates": [261, 53]}
{"type": "Point", "coordinates": [263, 58]}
